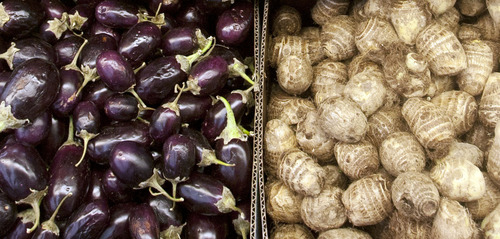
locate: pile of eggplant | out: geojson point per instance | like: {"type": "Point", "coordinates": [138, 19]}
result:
{"type": "Point", "coordinates": [125, 118]}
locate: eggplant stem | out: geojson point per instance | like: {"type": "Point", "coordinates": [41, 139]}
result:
{"type": "Point", "coordinates": [8, 55]}
{"type": "Point", "coordinates": [231, 131]}
{"type": "Point", "coordinates": [50, 224]}
{"type": "Point", "coordinates": [71, 138]}
{"type": "Point", "coordinates": [72, 65]}
{"type": "Point", "coordinates": [142, 105]}
{"type": "Point", "coordinates": [238, 69]}
{"type": "Point", "coordinates": [140, 67]}
{"type": "Point", "coordinates": [245, 131]}
{"type": "Point", "coordinates": [34, 200]}
{"type": "Point", "coordinates": [86, 137]}
{"type": "Point", "coordinates": [209, 158]}
{"type": "Point", "coordinates": [155, 181]}
{"type": "Point", "coordinates": [158, 9]}
{"type": "Point", "coordinates": [174, 192]}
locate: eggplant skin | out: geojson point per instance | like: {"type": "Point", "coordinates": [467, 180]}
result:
{"type": "Point", "coordinates": [32, 88]}
{"type": "Point", "coordinates": [20, 17]}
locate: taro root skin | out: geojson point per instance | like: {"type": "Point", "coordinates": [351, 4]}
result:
{"type": "Point", "coordinates": [291, 231]}
{"type": "Point", "coordinates": [301, 173]}
{"type": "Point", "coordinates": [342, 119]}
{"type": "Point", "coordinates": [294, 74]}
{"type": "Point", "coordinates": [283, 204]}
{"type": "Point", "coordinates": [400, 152]}
{"type": "Point", "coordinates": [325, 211]}
{"type": "Point", "coordinates": [357, 160]}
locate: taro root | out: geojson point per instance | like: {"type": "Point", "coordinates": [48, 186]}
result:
{"type": "Point", "coordinates": [374, 33]}
{"type": "Point", "coordinates": [335, 177]}
{"type": "Point", "coordinates": [283, 204]}
{"type": "Point", "coordinates": [490, 224]}
{"type": "Point", "coordinates": [313, 140]}
{"type": "Point", "coordinates": [291, 231]}
{"type": "Point", "coordinates": [468, 32]}
{"type": "Point", "coordinates": [325, 10]}
{"type": "Point", "coordinates": [383, 123]}
{"type": "Point", "coordinates": [486, 204]}
{"type": "Point", "coordinates": [368, 200]}
{"type": "Point", "coordinates": [287, 108]}
{"type": "Point", "coordinates": [466, 151]}
{"type": "Point", "coordinates": [293, 45]}
{"type": "Point", "coordinates": [409, 17]}
{"type": "Point", "coordinates": [294, 74]}
{"type": "Point", "coordinates": [438, 7]}
{"type": "Point", "coordinates": [432, 128]}
{"type": "Point", "coordinates": [415, 196]}
{"type": "Point", "coordinates": [489, 110]}
{"type": "Point", "coordinates": [400, 152]}
{"type": "Point", "coordinates": [342, 233]}
{"type": "Point", "coordinates": [472, 8]}
{"type": "Point", "coordinates": [342, 119]}
{"type": "Point", "coordinates": [301, 173]}
{"type": "Point", "coordinates": [480, 136]}
{"type": "Point", "coordinates": [493, 162]}
{"type": "Point", "coordinates": [278, 138]}
{"type": "Point", "coordinates": [357, 160]}
{"type": "Point", "coordinates": [479, 67]}
{"type": "Point", "coordinates": [486, 25]}
{"type": "Point", "coordinates": [401, 226]}
{"type": "Point", "coordinates": [452, 221]}
{"type": "Point", "coordinates": [324, 211]}
{"type": "Point", "coordinates": [337, 38]}
{"type": "Point", "coordinates": [450, 19]}
{"type": "Point", "coordinates": [287, 21]}
{"type": "Point", "coordinates": [329, 80]}
{"type": "Point", "coordinates": [367, 90]}
{"type": "Point", "coordinates": [493, 8]}
{"type": "Point", "coordinates": [460, 107]}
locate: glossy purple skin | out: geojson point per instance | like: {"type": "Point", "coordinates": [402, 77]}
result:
{"type": "Point", "coordinates": [166, 6]}
{"type": "Point", "coordinates": [166, 217]}
{"type": "Point", "coordinates": [4, 78]}
{"type": "Point", "coordinates": [35, 132]}
{"type": "Point", "coordinates": [202, 227]}
{"type": "Point", "coordinates": [98, 28]}
{"type": "Point", "coordinates": [30, 48]}
{"type": "Point", "coordinates": [179, 41]}
{"type": "Point", "coordinates": [179, 155]}
{"type": "Point", "coordinates": [169, 24]}
{"type": "Point", "coordinates": [139, 42]}
{"type": "Point", "coordinates": [228, 53]}
{"type": "Point", "coordinates": [86, 116]}
{"type": "Point", "coordinates": [131, 163]}
{"type": "Point", "coordinates": [96, 45]}
{"type": "Point", "coordinates": [116, 191]}
{"type": "Point", "coordinates": [44, 234]}
{"type": "Point", "coordinates": [98, 93]}
{"type": "Point", "coordinates": [66, 178]}
{"type": "Point", "coordinates": [114, 71]}
{"type": "Point", "coordinates": [88, 221]}
{"type": "Point", "coordinates": [239, 177]}
{"type": "Point", "coordinates": [121, 107]}
{"type": "Point", "coordinates": [164, 123]}
{"type": "Point", "coordinates": [157, 80]}
{"type": "Point", "coordinates": [100, 147]}
{"type": "Point", "coordinates": [66, 101]}
{"type": "Point", "coordinates": [95, 191]}
{"type": "Point", "coordinates": [234, 25]}
{"type": "Point", "coordinates": [190, 15]}
{"type": "Point", "coordinates": [46, 34]}
{"type": "Point", "coordinates": [216, 118]}
{"type": "Point", "coordinates": [118, 222]}
{"type": "Point", "coordinates": [116, 14]}
{"type": "Point", "coordinates": [8, 213]}
{"type": "Point", "coordinates": [211, 74]}
{"type": "Point", "coordinates": [199, 141]}
{"type": "Point", "coordinates": [143, 223]}
{"type": "Point", "coordinates": [24, 17]}
{"type": "Point", "coordinates": [213, 6]}
{"type": "Point", "coordinates": [201, 193]}
{"type": "Point", "coordinates": [65, 50]}
{"type": "Point", "coordinates": [21, 169]}
{"type": "Point", "coordinates": [192, 107]}
{"type": "Point", "coordinates": [53, 8]}
{"type": "Point", "coordinates": [32, 88]}
{"type": "Point", "coordinates": [18, 230]}
{"type": "Point", "coordinates": [84, 10]}
{"type": "Point", "coordinates": [58, 133]}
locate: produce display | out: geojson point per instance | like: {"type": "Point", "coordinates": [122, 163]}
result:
{"type": "Point", "coordinates": [126, 119]}
{"type": "Point", "coordinates": [382, 119]}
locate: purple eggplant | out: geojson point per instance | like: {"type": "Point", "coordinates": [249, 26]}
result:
{"type": "Point", "coordinates": [52, 30]}
{"type": "Point", "coordinates": [206, 195]}
{"type": "Point", "coordinates": [165, 121]}
{"type": "Point", "coordinates": [80, 17]}
{"type": "Point", "coordinates": [234, 25]}
{"type": "Point", "coordinates": [98, 28]}
{"type": "Point", "coordinates": [58, 133]}
{"type": "Point", "coordinates": [87, 120]}
{"type": "Point", "coordinates": [53, 8]}
{"type": "Point", "coordinates": [171, 219]}
{"type": "Point", "coordinates": [241, 221]}
{"type": "Point", "coordinates": [96, 45]}
{"type": "Point", "coordinates": [98, 93]}
{"type": "Point", "coordinates": [116, 14]}
{"type": "Point", "coordinates": [100, 147]}
{"type": "Point", "coordinates": [139, 42]}
{"type": "Point", "coordinates": [190, 15]}
{"type": "Point", "coordinates": [216, 118]}
{"type": "Point", "coordinates": [121, 107]}
{"type": "Point", "coordinates": [66, 49]}
{"type": "Point", "coordinates": [23, 176]}
{"type": "Point", "coordinates": [192, 108]}
{"type": "Point", "coordinates": [88, 221]}
{"type": "Point", "coordinates": [205, 155]}
{"type": "Point", "coordinates": [118, 223]}
{"type": "Point", "coordinates": [49, 229]}
{"type": "Point", "coordinates": [115, 190]}
{"type": "Point", "coordinates": [169, 24]}
{"type": "Point", "coordinates": [114, 71]}
{"type": "Point", "coordinates": [179, 41]}
{"type": "Point", "coordinates": [21, 228]}
{"type": "Point", "coordinates": [66, 100]}
{"type": "Point", "coordinates": [166, 6]}
{"type": "Point", "coordinates": [143, 223]}
{"type": "Point", "coordinates": [20, 17]}
{"type": "Point", "coordinates": [28, 48]}
{"type": "Point", "coordinates": [8, 213]}
{"type": "Point", "coordinates": [32, 88]}
{"type": "Point", "coordinates": [35, 132]}
{"type": "Point", "coordinates": [67, 178]}
{"type": "Point", "coordinates": [213, 7]}
{"type": "Point", "coordinates": [4, 78]}
{"type": "Point", "coordinates": [201, 226]}
{"type": "Point", "coordinates": [208, 76]}
{"type": "Point", "coordinates": [95, 191]}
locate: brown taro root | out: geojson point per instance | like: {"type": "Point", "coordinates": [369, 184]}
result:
{"type": "Point", "coordinates": [310, 33]}
{"type": "Point", "coordinates": [409, 17]}
{"type": "Point", "coordinates": [287, 21]}
{"type": "Point", "coordinates": [483, 206]}
{"type": "Point", "coordinates": [282, 203]}
{"type": "Point", "coordinates": [494, 10]}
{"type": "Point", "coordinates": [460, 106]}
{"type": "Point", "coordinates": [466, 151]}
{"type": "Point", "coordinates": [294, 74]}
{"type": "Point", "coordinates": [438, 7]}
{"type": "Point", "coordinates": [337, 38]}
{"type": "Point", "coordinates": [374, 33]}
{"type": "Point", "coordinates": [329, 80]}
{"type": "Point", "coordinates": [313, 140]}
{"type": "Point", "coordinates": [471, 8]}
{"type": "Point", "coordinates": [450, 19]}
{"type": "Point", "coordinates": [324, 211]}
{"type": "Point", "coordinates": [291, 231]}
{"type": "Point", "coordinates": [368, 200]}
{"type": "Point", "coordinates": [441, 49]}
{"type": "Point", "coordinates": [288, 108]}
{"type": "Point", "coordinates": [301, 173]}
{"type": "Point", "coordinates": [468, 32]}
{"type": "Point", "coordinates": [480, 136]}
{"type": "Point", "coordinates": [294, 45]}
{"type": "Point", "coordinates": [493, 162]}
{"type": "Point", "coordinates": [324, 10]}
{"type": "Point", "coordinates": [415, 196]}
{"type": "Point", "coordinates": [453, 221]}
{"type": "Point", "coordinates": [495, 48]}
{"type": "Point", "coordinates": [428, 123]}
{"type": "Point", "coordinates": [440, 84]}
{"type": "Point", "coordinates": [335, 177]}
{"type": "Point", "coordinates": [400, 152]}
{"type": "Point", "coordinates": [384, 122]}
{"type": "Point", "coordinates": [367, 90]}
{"type": "Point", "coordinates": [361, 63]}
{"type": "Point", "coordinates": [401, 226]}
{"type": "Point", "coordinates": [479, 67]}
{"type": "Point", "coordinates": [489, 106]}
{"type": "Point", "coordinates": [376, 8]}
{"type": "Point", "coordinates": [344, 233]}
{"type": "Point", "coordinates": [342, 119]}
{"type": "Point", "coordinates": [357, 160]}
{"type": "Point", "coordinates": [491, 224]}
{"type": "Point", "coordinates": [486, 25]}
{"type": "Point", "coordinates": [278, 138]}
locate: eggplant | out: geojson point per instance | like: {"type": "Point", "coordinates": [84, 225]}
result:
{"type": "Point", "coordinates": [179, 41]}
{"type": "Point", "coordinates": [20, 17]}
{"type": "Point", "coordinates": [35, 132]}
{"type": "Point", "coordinates": [66, 100]}
{"type": "Point", "coordinates": [28, 48]}
{"type": "Point", "coordinates": [166, 6]}
{"type": "Point", "coordinates": [87, 120]}
{"type": "Point", "coordinates": [96, 191]}
{"type": "Point", "coordinates": [241, 221]}
{"type": "Point", "coordinates": [88, 221]}
{"type": "Point", "coordinates": [24, 221]}
{"type": "Point", "coordinates": [49, 229]}
{"type": "Point", "coordinates": [192, 108]}
{"type": "Point", "coordinates": [98, 93]}
{"type": "Point", "coordinates": [143, 223]}
{"type": "Point", "coordinates": [171, 218]}
{"type": "Point", "coordinates": [121, 107]}
{"type": "Point", "coordinates": [190, 15]}
{"type": "Point", "coordinates": [234, 25]}
{"type": "Point", "coordinates": [139, 42]}
{"type": "Point", "coordinates": [205, 155]}
{"type": "Point", "coordinates": [32, 88]}
{"type": "Point", "coordinates": [118, 227]}
{"type": "Point", "coordinates": [165, 121]}
{"type": "Point", "coordinates": [116, 191]}
{"type": "Point", "coordinates": [201, 226]}
{"type": "Point", "coordinates": [115, 72]}
{"type": "Point", "coordinates": [53, 8]}
{"type": "Point", "coordinates": [213, 7]}
{"type": "Point", "coordinates": [96, 45]}
{"type": "Point", "coordinates": [80, 17]}
{"type": "Point", "coordinates": [98, 28]}
{"type": "Point", "coordinates": [116, 14]}
{"type": "Point", "coordinates": [208, 76]}
{"type": "Point", "coordinates": [58, 133]}
{"type": "Point", "coordinates": [8, 213]}
{"type": "Point", "coordinates": [66, 49]}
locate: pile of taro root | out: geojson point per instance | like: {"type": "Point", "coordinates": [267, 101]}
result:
{"type": "Point", "coordinates": [382, 119]}
{"type": "Point", "coordinates": [126, 119]}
